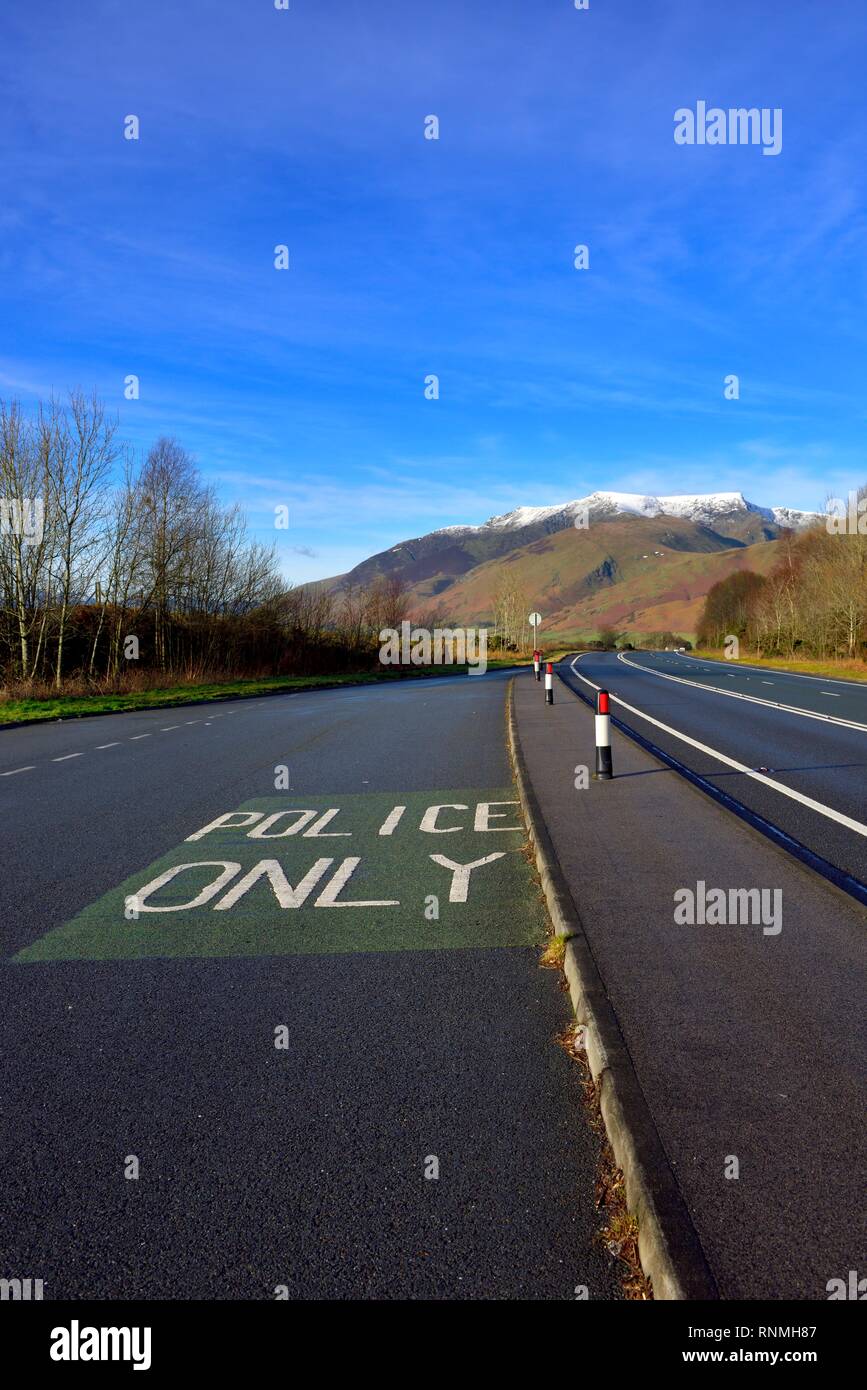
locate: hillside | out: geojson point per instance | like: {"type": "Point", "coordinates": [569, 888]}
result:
{"type": "Point", "coordinates": [640, 563]}
{"type": "Point", "coordinates": [634, 574]}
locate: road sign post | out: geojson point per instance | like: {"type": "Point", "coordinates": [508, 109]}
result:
{"type": "Point", "coordinates": [534, 620]}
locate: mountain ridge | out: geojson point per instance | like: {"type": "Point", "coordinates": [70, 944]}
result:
{"type": "Point", "coordinates": [694, 506]}
{"type": "Point", "coordinates": [636, 560]}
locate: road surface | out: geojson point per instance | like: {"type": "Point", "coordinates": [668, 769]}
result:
{"type": "Point", "coordinates": [745, 1030]}
{"type": "Point", "coordinates": [803, 774]}
{"type": "Point", "coordinates": [403, 1039]}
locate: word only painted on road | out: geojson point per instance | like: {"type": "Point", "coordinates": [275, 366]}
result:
{"type": "Point", "coordinates": [312, 824]}
{"type": "Point", "coordinates": [432, 870]}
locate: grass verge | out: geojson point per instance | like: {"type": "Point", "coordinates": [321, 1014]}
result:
{"type": "Point", "coordinates": [799, 666]}
{"type": "Point", "coordinates": [79, 706]}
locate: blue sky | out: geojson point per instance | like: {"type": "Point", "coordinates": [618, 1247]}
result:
{"type": "Point", "coordinates": [410, 256]}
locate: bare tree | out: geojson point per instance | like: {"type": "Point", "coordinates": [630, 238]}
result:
{"type": "Point", "coordinates": [79, 449]}
{"type": "Point", "coordinates": [25, 546]}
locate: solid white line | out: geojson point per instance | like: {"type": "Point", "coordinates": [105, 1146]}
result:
{"type": "Point", "coordinates": [100, 746]}
{"type": "Point", "coordinates": [18, 769]}
{"type": "Point", "coordinates": [818, 806]}
{"type": "Point", "coordinates": [739, 695]}
{"type": "Point", "coordinates": [66, 757]}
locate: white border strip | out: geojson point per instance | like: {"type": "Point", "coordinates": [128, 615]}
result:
{"type": "Point", "coordinates": [736, 695]}
{"type": "Point", "coordinates": [818, 806]}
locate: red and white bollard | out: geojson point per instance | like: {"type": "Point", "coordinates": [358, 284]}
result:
{"type": "Point", "coordinates": [604, 769]}
{"type": "Point", "coordinates": [537, 663]}
{"type": "Point", "coordinates": [549, 683]}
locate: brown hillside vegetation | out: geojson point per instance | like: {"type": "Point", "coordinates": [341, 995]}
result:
{"type": "Point", "coordinates": [812, 602]}
{"type": "Point", "coordinates": [636, 574]}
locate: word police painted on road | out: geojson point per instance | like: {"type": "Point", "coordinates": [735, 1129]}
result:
{"type": "Point", "coordinates": [364, 872]}
{"type": "Point", "coordinates": [283, 824]}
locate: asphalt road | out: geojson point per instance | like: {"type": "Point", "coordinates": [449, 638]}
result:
{"type": "Point", "coordinates": [821, 760]}
{"type": "Point", "coordinates": [746, 1031]}
{"type": "Point", "coordinates": [132, 1033]}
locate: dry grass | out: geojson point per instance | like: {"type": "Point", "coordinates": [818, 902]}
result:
{"type": "Point", "coordinates": [841, 669]}
{"type": "Point", "coordinates": [619, 1234]}
{"type": "Point", "coordinates": [554, 954]}
{"type": "Point", "coordinates": [128, 681]}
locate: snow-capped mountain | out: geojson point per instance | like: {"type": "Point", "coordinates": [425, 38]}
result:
{"type": "Point", "coordinates": [703, 508]}
{"type": "Point", "coordinates": [628, 552]}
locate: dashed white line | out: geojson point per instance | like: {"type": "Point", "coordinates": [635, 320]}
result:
{"type": "Point", "coordinates": [831, 693]}
{"type": "Point", "coordinates": [31, 767]}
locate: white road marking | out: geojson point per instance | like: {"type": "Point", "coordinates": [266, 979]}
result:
{"type": "Point", "coordinates": [391, 820]}
{"type": "Point", "coordinates": [194, 721]}
{"type": "Point", "coordinates": [829, 692]}
{"type": "Point", "coordinates": [18, 769]}
{"type": "Point", "coordinates": [737, 695]}
{"type": "Point", "coordinates": [796, 675]}
{"type": "Point", "coordinates": [66, 757]}
{"type": "Point", "coordinates": [818, 806]}
{"type": "Point", "coordinates": [767, 682]}
{"type": "Point", "coordinates": [100, 746]}
{"type": "Point", "coordinates": [136, 737]}
{"type": "Point", "coordinates": [169, 726]}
